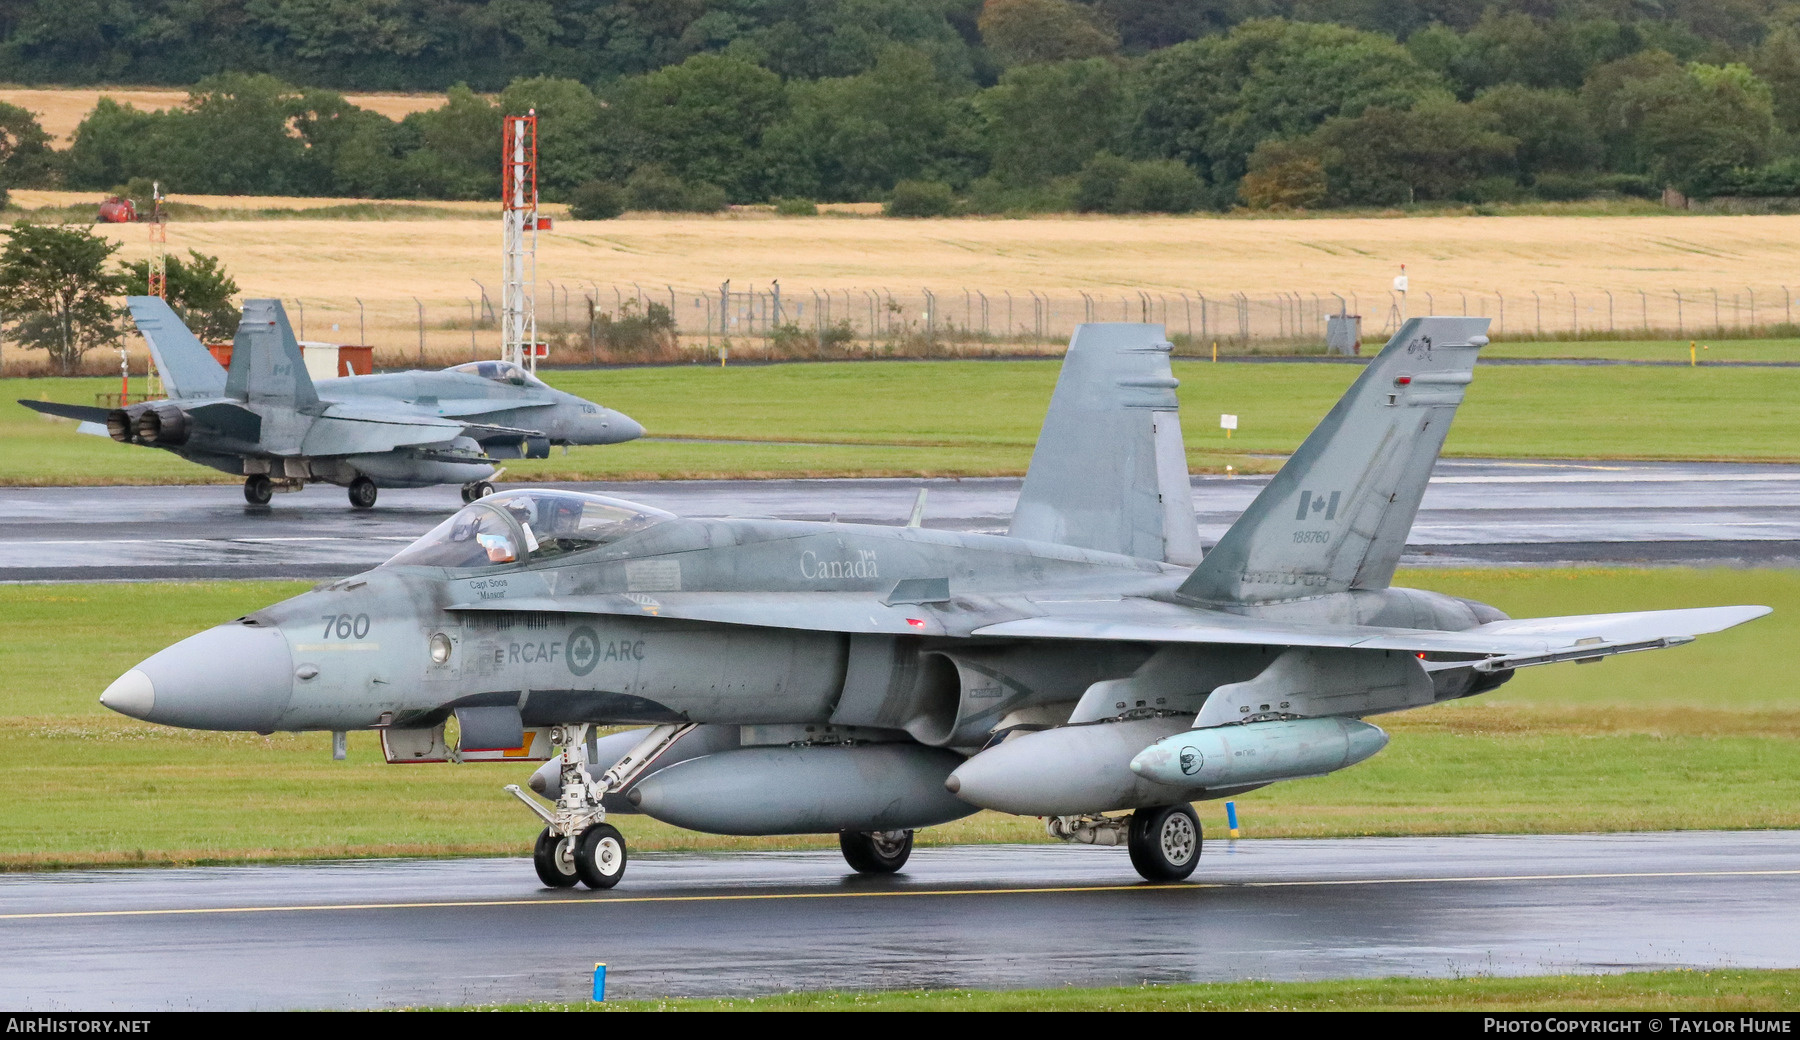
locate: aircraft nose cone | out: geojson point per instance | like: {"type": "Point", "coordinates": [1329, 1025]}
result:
{"type": "Point", "coordinates": [234, 676]}
{"type": "Point", "coordinates": [622, 427]}
{"type": "Point", "coordinates": [131, 694]}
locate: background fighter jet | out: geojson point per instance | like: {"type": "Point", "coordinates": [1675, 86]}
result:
{"type": "Point", "coordinates": [799, 677]}
{"type": "Point", "coordinates": [267, 419]}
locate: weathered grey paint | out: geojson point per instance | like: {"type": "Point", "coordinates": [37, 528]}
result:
{"type": "Point", "coordinates": [1051, 662]}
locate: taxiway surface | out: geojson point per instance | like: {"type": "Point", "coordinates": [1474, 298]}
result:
{"type": "Point", "coordinates": [1475, 511]}
{"type": "Point", "coordinates": [405, 933]}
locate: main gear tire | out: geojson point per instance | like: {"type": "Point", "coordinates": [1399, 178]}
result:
{"type": "Point", "coordinates": [258, 489]}
{"type": "Point", "coordinates": [554, 858]}
{"type": "Point", "coordinates": [1165, 842]}
{"type": "Point", "coordinates": [362, 493]}
{"type": "Point", "coordinates": [876, 852]}
{"type": "Point", "coordinates": [479, 489]}
{"type": "Point", "coordinates": [600, 856]}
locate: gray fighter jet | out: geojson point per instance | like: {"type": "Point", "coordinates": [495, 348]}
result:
{"type": "Point", "coordinates": [267, 420]}
{"type": "Point", "coordinates": [1088, 667]}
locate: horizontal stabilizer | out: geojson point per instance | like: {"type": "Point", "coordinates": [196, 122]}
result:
{"type": "Point", "coordinates": [188, 368]}
{"type": "Point", "coordinates": [82, 412]}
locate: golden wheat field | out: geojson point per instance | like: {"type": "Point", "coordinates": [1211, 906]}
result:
{"type": "Point", "coordinates": [397, 268]}
{"type": "Point", "coordinates": [60, 109]}
{"type": "Point", "coordinates": [408, 273]}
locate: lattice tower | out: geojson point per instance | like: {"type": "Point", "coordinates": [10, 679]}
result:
{"type": "Point", "coordinates": [519, 211]}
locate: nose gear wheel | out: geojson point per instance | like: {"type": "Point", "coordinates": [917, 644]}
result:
{"type": "Point", "coordinates": [554, 859]}
{"type": "Point", "coordinates": [600, 856]}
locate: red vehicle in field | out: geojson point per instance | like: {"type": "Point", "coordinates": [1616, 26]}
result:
{"type": "Point", "coordinates": [118, 210]}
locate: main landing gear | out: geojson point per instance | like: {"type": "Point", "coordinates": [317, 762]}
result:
{"type": "Point", "coordinates": [258, 489]}
{"type": "Point", "coordinates": [475, 490]}
{"type": "Point", "coordinates": [1164, 840]}
{"type": "Point", "coordinates": [362, 493]}
{"type": "Point", "coordinates": [876, 852]}
{"type": "Point", "coordinates": [577, 844]}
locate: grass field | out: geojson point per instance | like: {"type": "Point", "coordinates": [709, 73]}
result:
{"type": "Point", "coordinates": [968, 418]}
{"type": "Point", "coordinates": [1716, 990]}
{"type": "Point", "coordinates": [1699, 736]}
{"type": "Point", "coordinates": [1705, 349]}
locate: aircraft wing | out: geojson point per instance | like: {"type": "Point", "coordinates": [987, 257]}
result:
{"type": "Point", "coordinates": [338, 434]}
{"type": "Point", "coordinates": [1508, 644]}
{"type": "Point", "coordinates": [1515, 643]}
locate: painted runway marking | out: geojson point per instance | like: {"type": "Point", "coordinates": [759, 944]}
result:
{"type": "Point", "coordinates": [772, 896]}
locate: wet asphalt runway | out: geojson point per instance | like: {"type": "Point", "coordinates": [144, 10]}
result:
{"type": "Point", "coordinates": [1475, 512]}
{"type": "Point", "coordinates": [399, 933]}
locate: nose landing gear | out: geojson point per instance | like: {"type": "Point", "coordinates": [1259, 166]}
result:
{"type": "Point", "coordinates": [475, 490]}
{"type": "Point", "coordinates": [577, 844]}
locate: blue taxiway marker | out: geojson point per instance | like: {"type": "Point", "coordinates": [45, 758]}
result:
{"type": "Point", "coordinates": [599, 983]}
{"type": "Point", "coordinates": [1230, 820]}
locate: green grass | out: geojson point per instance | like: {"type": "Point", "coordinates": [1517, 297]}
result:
{"type": "Point", "coordinates": [969, 418]}
{"type": "Point", "coordinates": [1694, 737]}
{"type": "Point", "coordinates": [1706, 349]}
{"type": "Point", "coordinates": [1729, 989]}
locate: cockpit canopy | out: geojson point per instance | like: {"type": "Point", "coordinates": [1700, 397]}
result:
{"type": "Point", "coordinates": [500, 372]}
{"type": "Point", "coordinates": [536, 523]}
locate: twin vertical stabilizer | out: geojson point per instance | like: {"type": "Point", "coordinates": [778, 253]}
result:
{"type": "Point", "coordinates": [266, 364]}
{"type": "Point", "coordinates": [1109, 471]}
{"type": "Point", "coordinates": [1337, 515]}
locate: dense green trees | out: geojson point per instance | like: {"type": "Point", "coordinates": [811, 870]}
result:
{"type": "Point", "coordinates": [1105, 105]}
{"type": "Point", "coordinates": [58, 291]}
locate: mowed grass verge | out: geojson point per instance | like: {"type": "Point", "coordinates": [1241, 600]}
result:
{"type": "Point", "coordinates": [1717, 990]}
{"type": "Point", "coordinates": [1700, 736]}
{"type": "Point", "coordinates": [978, 418]}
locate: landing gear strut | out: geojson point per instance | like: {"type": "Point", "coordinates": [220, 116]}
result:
{"type": "Point", "coordinates": [876, 852]}
{"type": "Point", "coordinates": [1165, 842]}
{"type": "Point", "coordinates": [475, 490]}
{"type": "Point", "coordinates": [258, 489]}
{"type": "Point", "coordinates": [577, 844]}
{"type": "Point", "coordinates": [362, 493]}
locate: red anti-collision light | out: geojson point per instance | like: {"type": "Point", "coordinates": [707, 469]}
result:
{"type": "Point", "coordinates": [915, 622]}
{"type": "Point", "coordinates": [1402, 380]}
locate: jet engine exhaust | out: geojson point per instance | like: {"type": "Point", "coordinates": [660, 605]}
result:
{"type": "Point", "coordinates": [162, 424]}
{"type": "Point", "coordinates": [122, 423]}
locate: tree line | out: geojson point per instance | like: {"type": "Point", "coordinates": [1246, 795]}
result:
{"type": "Point", "coordinates": [940, 105]}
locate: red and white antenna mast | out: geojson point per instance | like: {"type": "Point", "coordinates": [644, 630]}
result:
{"type": "Point", "coordinates": [519, 210]}
{"type": "Point", "coordinates": [158, 267]}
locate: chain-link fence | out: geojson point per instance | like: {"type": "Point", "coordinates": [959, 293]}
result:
{"type": "Point", "coordinates": [780, 321]}
{"type": "Point", "coordinates": [587, 322]}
